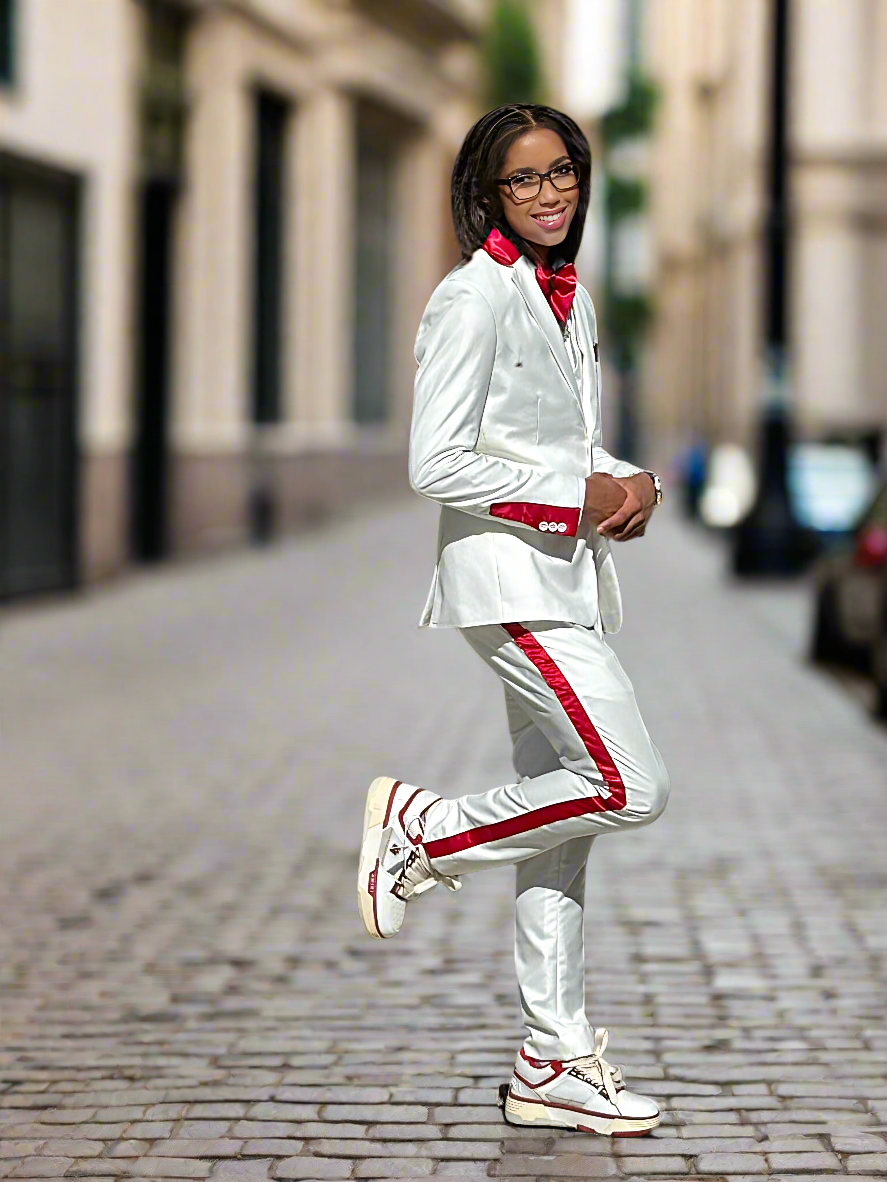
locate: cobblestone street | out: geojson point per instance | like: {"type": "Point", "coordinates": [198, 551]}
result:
{"type": "Point", "coordinates": [188, 991]}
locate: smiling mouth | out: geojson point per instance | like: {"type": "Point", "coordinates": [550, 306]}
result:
{"type": "Point", "coordinates": [552, 220]}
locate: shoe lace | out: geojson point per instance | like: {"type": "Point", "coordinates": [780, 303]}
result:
{"type": "Point", "coordinates": [413, 877]}
{"type": "Point", "coordinates": [595, 1070]}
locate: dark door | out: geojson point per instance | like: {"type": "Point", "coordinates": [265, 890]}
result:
{"type": "Point", "coordinates": [269, 203]}
{"type": "Point", "coordinates": [150, 509]}
{"type": "Point", "coordinates": [38, 237]}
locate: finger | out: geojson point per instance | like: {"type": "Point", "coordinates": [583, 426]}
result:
{"type": "Point", "coordinates": [639, 529]}
{"type": "Point", "coordinates": [635, 527]}
{"type": "Point", "coordinates": [616, 520]}
{"type": "Point", "coordinates": [631, 528]}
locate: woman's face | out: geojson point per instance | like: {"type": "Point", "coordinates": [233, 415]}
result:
{"type": "Point", "coordinates": [545, 219]}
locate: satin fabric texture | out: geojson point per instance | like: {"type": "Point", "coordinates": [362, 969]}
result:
{"type": "Point", "coordinates": [558, 777]}
{"type": "Point", "coordinates": [558, 286]}
{"type": "Point", "coordinates": [499, 416]}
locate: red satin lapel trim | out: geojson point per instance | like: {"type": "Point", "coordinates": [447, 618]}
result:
{"type": "Point", "coordinates": [558, 287]}
{"type": "Point", "coordinates": [499, 248]}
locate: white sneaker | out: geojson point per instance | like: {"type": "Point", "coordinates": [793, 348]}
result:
{"type": "Point", "coordinates": [587, 1094]}
{"type": "Point", "coordinates": [393, 866]}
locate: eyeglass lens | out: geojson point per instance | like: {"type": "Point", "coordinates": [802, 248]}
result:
{"type": "Point", "coordinates": [529, 184]}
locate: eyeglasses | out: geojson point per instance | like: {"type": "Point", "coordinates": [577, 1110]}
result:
{"type": "Point", "coordinates": [528, 185]}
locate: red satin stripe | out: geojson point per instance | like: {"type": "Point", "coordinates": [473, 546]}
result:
{"type": "Point", "coordinates": [566, 695]}
{"type": "Point", "coordinates": [562, 810]}
{"type": "Point", "coordinates": [529, 513]}
{"type": "Point", "coordinates": [558, 287]}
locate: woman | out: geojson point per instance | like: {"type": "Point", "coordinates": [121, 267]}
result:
{"type": "Point", "coordinates": [506, 436]}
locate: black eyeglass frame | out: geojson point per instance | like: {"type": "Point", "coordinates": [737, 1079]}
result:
{"type": "Point", "coordinates": [543, 177]}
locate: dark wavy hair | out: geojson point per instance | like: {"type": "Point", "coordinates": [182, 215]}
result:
{"type": "Point", "coordinates": [476, 198]}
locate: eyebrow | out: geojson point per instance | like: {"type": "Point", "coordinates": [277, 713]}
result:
{"type": "Point", "coordinates": [527, 168]}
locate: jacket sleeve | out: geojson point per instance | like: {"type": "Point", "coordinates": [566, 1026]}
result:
{"type": "Point", "coordinates": [455, 350]}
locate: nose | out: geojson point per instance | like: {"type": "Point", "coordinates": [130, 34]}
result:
{"type": "Point", "coordinates": [550, 196]}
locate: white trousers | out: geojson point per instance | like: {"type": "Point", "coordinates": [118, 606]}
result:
{"type": "Point", "coordinates": [587, 766]}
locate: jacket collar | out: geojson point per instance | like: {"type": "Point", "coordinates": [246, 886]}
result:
{"type": "Point", "coordinates": [523, 275]}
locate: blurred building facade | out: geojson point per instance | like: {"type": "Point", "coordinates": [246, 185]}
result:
{"type": "Point", "coordinates": [219, 223]}
{"type": "Point", "coordinates": [703, 369]}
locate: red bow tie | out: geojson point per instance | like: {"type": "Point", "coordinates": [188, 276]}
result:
{"type": "Point", "coordinates": [558, 287]}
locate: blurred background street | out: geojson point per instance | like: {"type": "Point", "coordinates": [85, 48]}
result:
{"type": "Point", "coordinates": [189, 990]}
{"type": "Point", "coordinates": [220, 221]}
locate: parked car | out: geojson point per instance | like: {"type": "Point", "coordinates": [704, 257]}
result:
{"type": "Point", "coordinates": [850, 620]}
{"type": "Point", "coordinates": [879, 660]}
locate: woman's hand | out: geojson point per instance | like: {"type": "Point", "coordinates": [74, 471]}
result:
{"type": "Point", "coordinates": [603, 497]}
{"type": "Point", "coordinates": [630, 518]}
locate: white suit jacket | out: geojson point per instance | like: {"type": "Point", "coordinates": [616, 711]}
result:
{"type": "Point", "coordinates": [499, 438]}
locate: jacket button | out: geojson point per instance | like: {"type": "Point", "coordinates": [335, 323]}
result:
{"type": "Point", "coordinates": [562, 527]}
{"type": "Point", "coordinates": [543, 525]}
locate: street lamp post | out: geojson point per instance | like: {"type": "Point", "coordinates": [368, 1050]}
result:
{"type": "Point", "coordinates": [769, 540]}
{"type": "Point", "coordinates": [628, 256]}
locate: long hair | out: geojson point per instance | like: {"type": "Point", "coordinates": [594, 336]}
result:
{"type": "Point", "coordinates": [476, 198]}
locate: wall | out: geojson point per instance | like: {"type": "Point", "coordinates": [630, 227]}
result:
{"type": "Point", "coordinates": [76, 111]}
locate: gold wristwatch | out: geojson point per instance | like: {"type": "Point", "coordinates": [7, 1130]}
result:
{"type": "Point", "coordinates": [657, 485]}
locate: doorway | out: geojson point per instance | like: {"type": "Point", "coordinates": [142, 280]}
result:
{"type": "Point", "coordinates": [162, 118]}
{"type": "Point", "coordinates": [38, 454]}
{"type": "Point", "coordinates": [150, 459]}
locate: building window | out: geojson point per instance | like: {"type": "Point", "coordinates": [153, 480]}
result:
{"type": "Point", "coordinates": [7, 38]}
{"type": "Point", "coordinates": [268, 265]}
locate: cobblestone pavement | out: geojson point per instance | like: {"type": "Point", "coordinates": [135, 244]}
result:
{"type": "Point", "coordinates": [189, 992]}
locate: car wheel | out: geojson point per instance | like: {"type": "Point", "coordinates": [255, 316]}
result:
{"type": "Point", "coordinates": [828, 646]}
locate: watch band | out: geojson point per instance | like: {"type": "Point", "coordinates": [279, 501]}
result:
{"type": "Point", "coordinates": [657, 484]}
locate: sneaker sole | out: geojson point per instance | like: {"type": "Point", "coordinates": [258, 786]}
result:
{"type": "Point", "coordinates": [378, 805]}
{"type": "Point", "coordinates": [540, 1114]}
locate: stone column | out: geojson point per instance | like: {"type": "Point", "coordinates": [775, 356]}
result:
{"type": "Point", "coordinates": [422, 167]}
{"type": "Point", "coordinates": [212, 301]}
{"type": "Point", "coordinates": [828, 316]}
{"type": "Point", "coordinates": [321, 279]}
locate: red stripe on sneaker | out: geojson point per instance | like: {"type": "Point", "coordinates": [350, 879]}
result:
{"type": "Point", "coordinates": [394, 788]}
{"type": "Point", "coordinates": [554, 1064]}
{"type": "Point", "coordinates": [400, 815]}
{"type": "Point", "coordinates": [372, 880]}
{"type": "Point", "coordinates": [551, 813]}
{"type": "Point", "coordinates": [539, 1083]}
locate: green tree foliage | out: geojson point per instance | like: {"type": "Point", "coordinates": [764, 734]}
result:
{"type": "Point", "coordinates": [635, 115]}
{"type": "Point", "coordinates": [513, 64]}
{"type": "Point", "coordinates": [625, 196]}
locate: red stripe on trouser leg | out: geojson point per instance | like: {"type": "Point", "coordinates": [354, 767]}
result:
{"type": "Point", "coordinates": [549, 814]}
{"type": "Point", "coordinates": [575, 711]}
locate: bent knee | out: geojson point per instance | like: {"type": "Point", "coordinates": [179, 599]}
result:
{"type": "Point", "coordinates": [646, 798]}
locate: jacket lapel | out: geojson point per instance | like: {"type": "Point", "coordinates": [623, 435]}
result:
{"type": "Point", "coordinates": [587, 336]}
{"type": "Point", "coordinates": [524, 278]}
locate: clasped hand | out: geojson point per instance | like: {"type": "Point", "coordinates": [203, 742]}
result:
{"type": "Point", "coordinates": [619, 506]}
